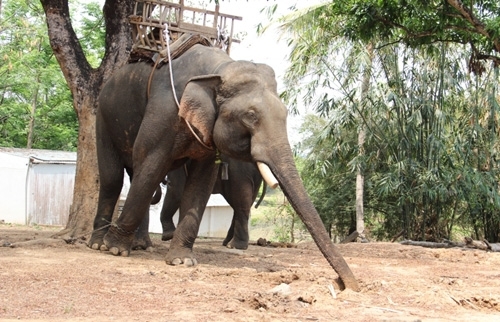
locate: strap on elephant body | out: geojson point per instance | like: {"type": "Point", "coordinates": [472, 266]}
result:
{"type": "Point", "coordinates": [173, 51]}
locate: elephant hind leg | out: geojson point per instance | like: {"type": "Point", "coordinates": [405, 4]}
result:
{"type": "Point", "coordinates": [170, 206]}
{"type": "Point", "coordinates": [238, 235]}
{"type": "Point", "coordinates": [141, 238]}
{"type": "Point", "coordinates": [230, 234]}
{"type": "Point", "coordinates": [172, 201]}
{"type": "Point", "coordinates": [199, 185]}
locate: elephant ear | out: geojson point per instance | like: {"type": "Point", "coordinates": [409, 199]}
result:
{"type": "Point", "coordinates": [198, 105]}
{"type": "Point", "coordinates": [270, 76]}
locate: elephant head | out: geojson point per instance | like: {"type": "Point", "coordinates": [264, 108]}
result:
{"type": "Point", "coordinates": [238, 111]}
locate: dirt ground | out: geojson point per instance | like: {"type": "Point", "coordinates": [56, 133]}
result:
{"type": "Point", "coordinates": [61, 282]}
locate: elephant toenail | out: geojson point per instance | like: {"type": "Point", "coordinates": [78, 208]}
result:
{"type": "Point", "coordinates": [176, 261]}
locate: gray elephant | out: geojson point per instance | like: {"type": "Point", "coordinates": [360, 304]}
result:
{"type": "Point", "coordinates": [237, 181]}
{"type": "Point", "coordinates": [226, 106]}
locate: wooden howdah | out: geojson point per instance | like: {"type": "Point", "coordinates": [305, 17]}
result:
{"type": "Point", "coordinates": [154, 22]}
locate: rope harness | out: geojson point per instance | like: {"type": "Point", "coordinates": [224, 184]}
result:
{"type": "Point", "coordinates": [166, 56]}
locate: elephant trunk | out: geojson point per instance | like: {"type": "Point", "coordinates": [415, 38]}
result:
{"type": "Point", "coordinates": [288, 177]}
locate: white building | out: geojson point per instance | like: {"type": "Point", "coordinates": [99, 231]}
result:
{"type": "Point", "coordinates": [36, 187]}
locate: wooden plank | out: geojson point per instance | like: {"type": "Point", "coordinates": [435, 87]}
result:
{"type": "Point", "coordinates": [204, 30]}
{"type": "Point", "coordinates": [199, 10]}
{"type": "Point", "coordinates": [157, 14]}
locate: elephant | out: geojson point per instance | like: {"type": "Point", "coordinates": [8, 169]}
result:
{"type": "Point", "coordinates": [237, 181]}
{"type": "Point", "coordinates": [150, 121]}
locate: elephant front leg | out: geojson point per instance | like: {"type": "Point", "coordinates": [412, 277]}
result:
{"type": "Point", "coordinates": [199, 185]}
{"type": "Point", "coordinates": [110, 187]}
{"type": "Point", "coordinates": [181, 247]}
{"type": "Point", "coordinates": [120, 236]}
{"type": "Point", "coordinates": [118, 240]}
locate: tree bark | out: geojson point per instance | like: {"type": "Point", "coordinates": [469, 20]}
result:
{"type": "Point", "coordinates": [352, 237]}
{"type": "Point", "coordinates": [85, 83]}
{"type": "Point", "coordinates": [360, 178]}
{"type": "Point", "coordinates": [446, 244]}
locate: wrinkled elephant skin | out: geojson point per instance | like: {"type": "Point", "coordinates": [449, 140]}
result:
{"type": "Point", "coordinates": [232, 106]}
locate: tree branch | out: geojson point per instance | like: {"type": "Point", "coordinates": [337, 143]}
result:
{"type": "Point", "coordinates": [118, 35]}
{"type": "Point", "coordinates": [64, 42]}
{"type": "Point", "coordinates": [468, 15]}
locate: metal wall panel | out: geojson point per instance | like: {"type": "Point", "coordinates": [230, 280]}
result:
{"type": "Point", "coordinates": [50, 193]}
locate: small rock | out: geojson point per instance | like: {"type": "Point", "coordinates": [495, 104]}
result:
{"type": "Point", "coordinates": [282, 289]}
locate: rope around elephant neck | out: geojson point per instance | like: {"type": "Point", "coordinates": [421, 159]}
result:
{"type": "Point", "coordinates": [175, 95]}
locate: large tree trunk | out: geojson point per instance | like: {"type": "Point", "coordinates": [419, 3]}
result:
{"type": "Point", "coordinates": [85, 83]}
{"type": "Point", "coordinates": [85, 192]}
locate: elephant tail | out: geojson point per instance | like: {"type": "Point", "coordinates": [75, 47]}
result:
{"type": "Point", "coordinates": [263, 194]}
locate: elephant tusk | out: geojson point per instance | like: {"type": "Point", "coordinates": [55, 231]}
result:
{"type": "Point", "coordinates": [267, 175]}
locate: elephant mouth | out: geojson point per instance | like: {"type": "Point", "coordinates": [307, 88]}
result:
{"type": "Point", "coordinates": [267, 175]}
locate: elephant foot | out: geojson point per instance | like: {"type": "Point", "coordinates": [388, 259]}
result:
{"type": "Point", "coordinates": [117, 241]}
{"type": "Point", "coordinates": [226, 241]}
{"type": "Point", "coordinates": [238, 244]}
{"type": "Point", "coordinates": [142, 244]}
{"type": "Point", "coordinates": [181, 257]}
{"type": "Point", "coordinates": [97, 239]}
{"type": "Point", "coordinates": [167, 235]}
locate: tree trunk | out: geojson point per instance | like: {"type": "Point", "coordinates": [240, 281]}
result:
{"type": "Point", "coordinates": [360, 178]}
{"type": "Point", "coordinates": [85, 83]}
{"type": "Point", "coordinates": [85, 192]}
{"type": "Point", "coordinates": [360, 182]}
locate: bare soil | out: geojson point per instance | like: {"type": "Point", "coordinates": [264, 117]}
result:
{"type": "Point", "coordinates": [56, 281]}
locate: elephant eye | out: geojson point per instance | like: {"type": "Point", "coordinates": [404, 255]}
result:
{"type": "Point", "coordinates": [250, 118]}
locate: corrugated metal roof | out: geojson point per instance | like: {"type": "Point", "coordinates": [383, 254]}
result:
{"type": "Point", "coordinates": [42, 156]}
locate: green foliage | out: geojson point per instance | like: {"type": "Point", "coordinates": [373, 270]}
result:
{"type": "Point", "coordinates": [91, 32]}
{"type": "Point", "coordinates": [415, 23]}
{"type": "Point", "coordinates": [326, 174]}
{"type": "Point", "coordinates": [276, 220]}
{"type": "Point", "coordinates": [31, 82]}
{"type": "Point", "coordinates": [430, 154]}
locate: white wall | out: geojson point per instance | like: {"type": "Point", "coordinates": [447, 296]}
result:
{"type": "Point", "coordinates": [15, 183]}
{"type": "Point", "coordinates": [13, 172]}
{"type": "Point", "coordinates": [216, 219]}
{"type": "Point", "coordinates": [50, 193]}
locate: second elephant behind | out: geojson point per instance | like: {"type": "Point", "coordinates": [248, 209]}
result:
{"type": "Point", "coordinates": [240, 191]}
